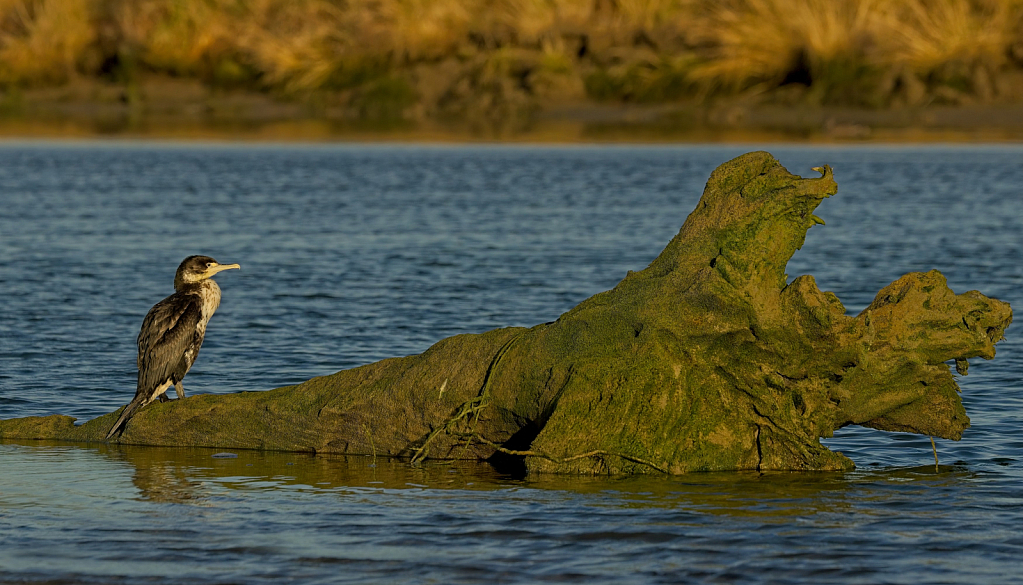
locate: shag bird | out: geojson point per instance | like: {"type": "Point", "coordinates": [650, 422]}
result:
{"type": "Point", "coordinates": [172, 334]}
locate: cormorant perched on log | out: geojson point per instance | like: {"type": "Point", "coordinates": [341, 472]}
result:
{"type": "Point", "coordinates": [172, 333]}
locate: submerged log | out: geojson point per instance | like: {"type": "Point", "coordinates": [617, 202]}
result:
{"type": "Point", "coordinates": [706, 360]}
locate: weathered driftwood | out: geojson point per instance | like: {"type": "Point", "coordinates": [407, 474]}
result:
{"type": "Point", "coordinates": [705, 360]}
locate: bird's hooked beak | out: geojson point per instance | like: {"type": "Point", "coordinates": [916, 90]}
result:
{"type": "Point", "coordinates": [215, 268]}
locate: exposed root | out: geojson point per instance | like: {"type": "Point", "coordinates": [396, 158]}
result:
{"type": "Point", "coordinates": [467, 409]}
{"type": "Point", "coordinates": [471, 408]}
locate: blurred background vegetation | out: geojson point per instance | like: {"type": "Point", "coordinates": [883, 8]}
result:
{"type": "Point", "coordinates": [504, 66]}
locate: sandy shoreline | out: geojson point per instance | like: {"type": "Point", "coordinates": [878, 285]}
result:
{"type": "Point", "coordinates": [186, 111]}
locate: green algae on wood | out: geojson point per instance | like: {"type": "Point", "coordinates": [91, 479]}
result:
{"type": "Point", "coordinates": [709, 359]}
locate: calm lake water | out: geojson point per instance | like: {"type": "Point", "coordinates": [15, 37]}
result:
{"type": "Point", "coordinates": [351, 254]}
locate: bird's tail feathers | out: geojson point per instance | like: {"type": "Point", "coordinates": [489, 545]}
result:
{"type": "Point", "coordinates": [138, 402]}
{"type": "Point", "coordinates": [127, 413]}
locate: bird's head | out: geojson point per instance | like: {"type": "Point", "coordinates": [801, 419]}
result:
{"type": "Point", "coordinates": [197, 268]}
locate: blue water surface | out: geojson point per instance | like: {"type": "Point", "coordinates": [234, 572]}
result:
{"type": "Point", "coordinates": [355, 253]}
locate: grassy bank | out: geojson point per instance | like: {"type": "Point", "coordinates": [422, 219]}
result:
{"type": "Point", "coordinates": [500, 67]}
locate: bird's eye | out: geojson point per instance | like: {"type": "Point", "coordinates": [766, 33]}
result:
{"type": "Point", "coordinates": [209, 264]}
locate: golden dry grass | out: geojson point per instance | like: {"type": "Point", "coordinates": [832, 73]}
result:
{"type": "Point", "coordinates": [43, 40]}
{"type": "Point", "coordinates": [445, 51]}
{"type": "Point", "coordinates": [762, 40]}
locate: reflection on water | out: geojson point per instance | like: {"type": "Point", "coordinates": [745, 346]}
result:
{"type": "Point", "coordinates": [182, 514]}
{"type": "Point", "coordinates": [355, 253]}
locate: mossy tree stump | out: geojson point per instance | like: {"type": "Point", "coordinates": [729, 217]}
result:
{"type": "Point", "coordinates": [706, 360]}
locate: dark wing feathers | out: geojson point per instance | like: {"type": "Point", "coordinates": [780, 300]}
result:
{"type": "Point", "coordinates": [167, 331]}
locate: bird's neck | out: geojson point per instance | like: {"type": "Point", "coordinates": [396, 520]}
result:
{"type": "Point", "coordinates": [207, 290]}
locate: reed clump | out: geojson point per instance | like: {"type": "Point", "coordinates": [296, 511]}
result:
{"type": "Point", "coordinates": [498, 57]}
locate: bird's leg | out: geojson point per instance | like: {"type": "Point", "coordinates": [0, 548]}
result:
{"type": "Point", "coordinates": [180, 389]}
{"type": "Point", "coordinates": [161, 392]}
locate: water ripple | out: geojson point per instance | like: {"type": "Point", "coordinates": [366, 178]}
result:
{"type": "Point", "coordinates": [351, 254]}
